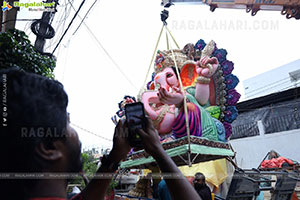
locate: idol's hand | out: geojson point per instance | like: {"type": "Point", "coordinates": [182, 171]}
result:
{"type": "Point", "coordinates": [207, 66]}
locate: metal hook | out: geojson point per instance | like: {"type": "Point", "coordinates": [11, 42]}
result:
{"type": "Point", "coordinates": [164, 16]}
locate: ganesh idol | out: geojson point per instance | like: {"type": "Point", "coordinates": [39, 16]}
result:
{"type": "Point", "coordinates": [164, 99]}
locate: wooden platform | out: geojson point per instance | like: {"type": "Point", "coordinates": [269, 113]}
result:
{"type": "Point", "coordinates": [201, 150]}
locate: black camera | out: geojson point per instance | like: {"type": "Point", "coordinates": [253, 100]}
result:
{"type": "Point", "coordinates": [135, 118]}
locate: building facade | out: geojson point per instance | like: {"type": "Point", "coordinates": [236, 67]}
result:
{"type": "Point", "coordinates": [271, 122]}
{"type": "Point", "coordinates": [276, 80]}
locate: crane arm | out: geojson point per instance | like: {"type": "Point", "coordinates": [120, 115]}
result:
{"type": "Point", "coordinates": [290, 8]}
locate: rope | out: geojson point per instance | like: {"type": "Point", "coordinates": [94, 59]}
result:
{"type": "Point", "coordinates": [145, 81]}
{"type": "Point", "coordinates": [167, 38]}
{"type": "Point", "coordinates": [172, 38]}
{"type": "Point", "coordinates": [184, 105]}
{"type": "Point", "coordinates": [180, 82]}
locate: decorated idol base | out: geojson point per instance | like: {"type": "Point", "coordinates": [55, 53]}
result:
{"type": "Point", "coordinates": [202, 150]}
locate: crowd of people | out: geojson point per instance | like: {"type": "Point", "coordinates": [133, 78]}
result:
{"type": "Point", "coordinates": [36, 138]}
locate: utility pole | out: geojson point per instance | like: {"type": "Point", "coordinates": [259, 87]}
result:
{"type": "Point", "coordinates": [42, 28]}
{"type": "Point", "coordinates": [8, 17]}
{"type": "Point", "coordinates": [1, 14]}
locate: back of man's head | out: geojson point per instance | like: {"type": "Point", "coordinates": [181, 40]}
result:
{"type": "Point", "coordinates": [34, 111]}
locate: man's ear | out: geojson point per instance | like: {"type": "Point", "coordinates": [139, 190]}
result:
{"type": "Point", "coordinates": [51, 151]}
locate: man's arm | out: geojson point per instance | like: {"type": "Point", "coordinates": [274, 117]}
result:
{"type": "Point", "coordinates": [85, 178]}
{"type": "Point", "coordinates": [96, 189]}
{"type": "Point", "coordinates": [179, 187]}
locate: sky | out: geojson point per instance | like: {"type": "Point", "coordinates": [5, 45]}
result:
{"type": "Point", "coordinates": [96, 81]}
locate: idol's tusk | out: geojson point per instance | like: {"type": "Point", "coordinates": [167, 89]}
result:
{"type": "Point", "coordinates": [209, 66]}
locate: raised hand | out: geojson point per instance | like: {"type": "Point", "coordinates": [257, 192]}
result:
{"type": "Point", "coordinates": [207, 66]}
{"type": "Point", "coordinates": [150, 138]}
{"type": "Point", "coordinates": [120, 142]}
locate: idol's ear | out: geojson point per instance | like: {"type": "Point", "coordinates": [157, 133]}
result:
{"type": "Point", "coordinates": [188, 74]}
{"type": "Point", "coordinates": [152, 86]}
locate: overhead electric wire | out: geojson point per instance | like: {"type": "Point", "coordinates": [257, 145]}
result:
{"type": "Point", "coordinates": [97, 135]}
{"type": "Point", "coordinates": [62, 18]}
{"type": "Point", "coordinates": [27, 29]}
{"type": "Point", "coordinates": [105, 51]}
{"type": "Point", "coordinates": [61, 22]}
{"type": "Point", "coordinates": [12, 20]}
{"type": "Point", "coordinates": [85, 16]}
{"type": "Point", "coordinates": [65, 64]}
{"type": "Point", "coordinates": [69, 25]}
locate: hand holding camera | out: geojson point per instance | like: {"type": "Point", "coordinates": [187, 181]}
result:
{"type": "Point", "coordinates": [136, 132]}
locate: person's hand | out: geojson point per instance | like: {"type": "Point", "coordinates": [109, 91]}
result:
{"type": "Point", "coordinates": [120, 142]}
{"type": "Point", "coordinates": [166, 97]}
{"type": "Point", "coordinates": [150, 138]}
{"type": "Point", "coordinates": [207, 66]}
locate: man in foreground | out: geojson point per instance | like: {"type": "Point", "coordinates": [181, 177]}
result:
{"type": "Point", "coordinates": [36, 137]}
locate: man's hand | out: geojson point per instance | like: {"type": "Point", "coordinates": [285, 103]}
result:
{"type": "Point", "coordinates": [150, 138]}
{"type": "Point", "coordinates": [120, 142]}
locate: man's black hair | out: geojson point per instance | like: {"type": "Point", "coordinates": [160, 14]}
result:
{"type": "Point", "coordinates": [200, 176]}
{"type": "Point", "coordinates": [33, 110]}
